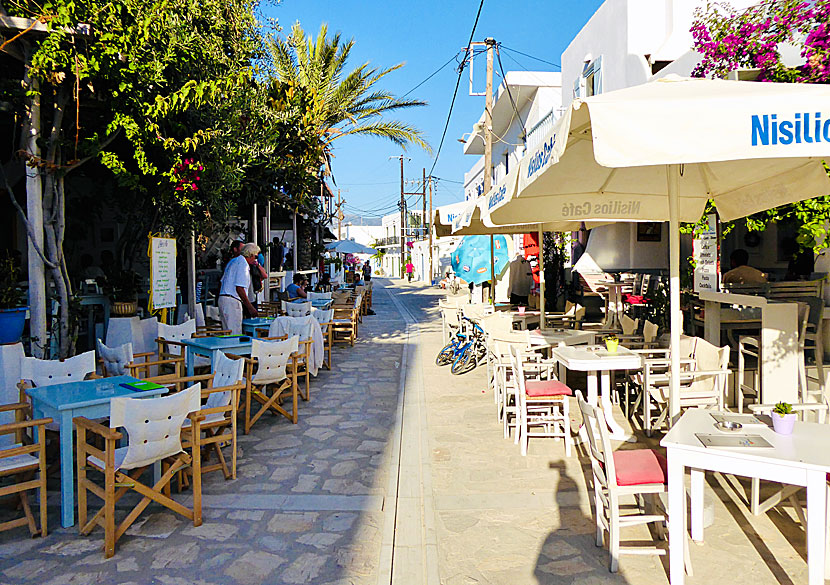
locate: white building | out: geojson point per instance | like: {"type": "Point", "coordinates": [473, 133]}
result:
{"type": "Point", "coordinates": [627, 43]}
{"type": "Point", "coordinates": [537, 96]}
{"type": "Point", "coordinates": [538, 99]}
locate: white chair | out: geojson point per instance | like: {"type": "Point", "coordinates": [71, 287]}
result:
{"type": "Point", "coordinates": [324, 318]}
{"type": "Point", "coordinates": [20, 463]}
{"type": "Point", "coordinates": [35, 372]}
{"type": "Point", "coordinates": [170, 344]}
{"type": "Point", "coordinates": [221, 396]}
{"type": "Point", "coordinates": [640, 474]}
{"type": "Point", "coordinates": [268, 378]}
{"type": "Point", "coordinates": [310, 353]}
{"type": "Point", "coordinates": [540, 404]}
{"type": "Point", "coordinates": [318, 296]}
{"type": "Point", "coordinates": [297, 309]}
{"type": "Point", "coordinates": [153, 428]}
{"type": "Point", "coordinates": [114, 360]}
{"type": "Point", "coordinates": [703, 378]}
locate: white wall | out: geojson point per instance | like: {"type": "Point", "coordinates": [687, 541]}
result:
{"type": "Point", "coordinates": [615, 247]}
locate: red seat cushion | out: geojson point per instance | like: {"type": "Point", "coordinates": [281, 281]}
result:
{"type": "Point", "coordinates": [537, 388]}
{"type": "Point", "coordinates": [640, 466]}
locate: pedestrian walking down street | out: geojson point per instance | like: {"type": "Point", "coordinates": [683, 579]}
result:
{"type": "Point", "coordinates": [233, 294]}
{"type": "Point", "coordinates": [409, 270]}
{"type": "Point", "coordinates": [367, 271]}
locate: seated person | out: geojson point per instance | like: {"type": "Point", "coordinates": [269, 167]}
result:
{"type": "Point", "coordinates": [325, 283]}
{"type": "Point", "coordinates": [89, 271]}
{"type": "Point", "coordinates": [296, 289]}
{"type": "Point", "coordinates": [741, 272]}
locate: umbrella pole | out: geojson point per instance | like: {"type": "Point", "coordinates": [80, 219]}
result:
{"type": "Point", "coordinates": [541, 279]}
{"type": "Point", "coordinates": [676, 317]}
{"type": "Point", "coordinates": [492, 272]}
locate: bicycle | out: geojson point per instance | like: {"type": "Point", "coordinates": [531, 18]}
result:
{"type": "Point", "coordinates": [466, 350]}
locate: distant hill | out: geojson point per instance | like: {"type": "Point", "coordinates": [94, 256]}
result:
{"type": "Point", "coordinates": [359, 220]}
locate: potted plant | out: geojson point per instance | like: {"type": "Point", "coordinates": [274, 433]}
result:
{"type": "Point", "coordinates": [783, 418]}
{"type": "Point", "coordinates": [12, 302]}
{"type": "Point", "coordinates": [122, 288]}
{"type": "Point", "coordinates": [612, 343]}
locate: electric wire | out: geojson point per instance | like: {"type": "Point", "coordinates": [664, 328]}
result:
{"type": "Point", "coordinates": [455, 92]}
{"type": "Point", "coordinates": [510, 95]}
{"type": "Point", "coordinates": [532, 57]}
{"type": "Point", "coordinates": [433, 74]}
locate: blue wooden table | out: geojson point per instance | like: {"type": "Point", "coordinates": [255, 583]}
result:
{"type": "Point", "coordinates": [63, 402]}
{"type": "Point", "coordinates": [249, 326]}
{"type": "Point", "coordinates": [210, 347]}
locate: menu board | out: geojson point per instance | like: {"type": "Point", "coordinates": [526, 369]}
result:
{"type": "Point", "coordinates": [707, 256]}
{"type": "Point", "coordinates": [163, 272]}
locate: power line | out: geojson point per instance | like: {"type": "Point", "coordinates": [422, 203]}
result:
{"type": "Point", "coordinates": [510, 95]}
{"type": "Point", "coordinates": [431, 75]}
{"type": "Point", "coordinates": [532, 57]}
{"type": "Point", "coordinates": [455, 92]}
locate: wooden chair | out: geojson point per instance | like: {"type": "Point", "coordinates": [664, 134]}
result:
{"type": "Point", "coordinates": [220, 392]}
{"type": "Point", "coordinates": [541, 404]}
{"type": "Point", "coordinates": [35, 372]}
{"type": "Point", "coordinates": [302, 366]}
{"type": "Point", "coordinates": [20, 462]}
{"type": "Point", "coordinates": [298, 309]}
{"type": "Point", "coordinates": [115, 360]}
{"type": "Point", "coordinates": [637, 473]}
{"type": "Point", "coordinates": [344, 324]}
{"type": "Point", "coordinates": [268, 377]}
{"type": "Point", "coordinates": [318, 296]}
{"type": "Point", "coordinates": [153, 426]}
{"type": "Point", "coordinates": [324, 318]}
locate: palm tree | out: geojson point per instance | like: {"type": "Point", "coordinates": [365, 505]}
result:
{"type": "Point", "coordinates": [340, 103]}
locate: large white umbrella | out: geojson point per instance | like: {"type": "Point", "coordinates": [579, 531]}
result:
{"type": "Point", "coordinates": [349, 247]}
{"type": "Point", "coordinates": [659, 151]}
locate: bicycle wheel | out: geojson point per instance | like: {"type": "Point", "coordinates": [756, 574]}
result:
{"type": "Point", "coordinates": [465, 361]}
{"type": "Point", "coordinates": [446, 355]}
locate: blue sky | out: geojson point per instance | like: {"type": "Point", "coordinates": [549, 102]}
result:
{"type": "Point", "coordinates": [425, 34]}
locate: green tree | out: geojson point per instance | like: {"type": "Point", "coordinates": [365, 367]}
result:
{"type": "Point", "coordinates": [340, 103]}
{"type": "Point", "coordinates": [153, 78]}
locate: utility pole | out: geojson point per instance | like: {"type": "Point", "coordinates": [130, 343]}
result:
{"type": "Point", "coordinates": [430, 230]}
{"type": "Point", "coordinates": [488, 151]}
{"type": "Point", "coordinates": [403, 224]}
{"type": "Point", "coordinates": [339, 215]}
{"type": "Point", "coordinates": [424, 206]}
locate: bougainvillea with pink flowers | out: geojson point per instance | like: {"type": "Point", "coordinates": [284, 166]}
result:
{"type": "Point", "coordinates": [186, 174]}
{"type": "Point", "coordinates": [752, 39]}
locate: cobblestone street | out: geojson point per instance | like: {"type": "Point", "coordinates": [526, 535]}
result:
{"type": "Point", "coordinates": [396, 473]}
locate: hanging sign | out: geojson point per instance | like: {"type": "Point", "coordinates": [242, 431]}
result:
{"type": "Point", "coordinates": [163, 272]}
{"type": "Point", "coordinates": [707, 256]}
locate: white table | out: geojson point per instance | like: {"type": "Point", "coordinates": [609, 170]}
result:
{"type": "Point", "coordinates": [779, 340]}
{"type": "Point", "coordinates": [557, 337]}
{"type": "Point", "coordinates": [598, 362]}
{"type": "Point", "coordinates": [614, 307]}
{"type": "Point", "coordinates": [795, 460]}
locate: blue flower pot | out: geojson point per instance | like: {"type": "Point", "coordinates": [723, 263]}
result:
{"type": "Point", "coordinates": [12, 322]}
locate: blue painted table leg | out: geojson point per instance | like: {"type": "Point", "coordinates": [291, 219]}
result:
{"type": "Point", "coordinates": [67, 471]}
{"type": "Point", "coordinates": [190, 358]}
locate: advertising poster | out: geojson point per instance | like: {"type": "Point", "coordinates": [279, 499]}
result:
{"type": "Point", "coordinates": [163, 273]}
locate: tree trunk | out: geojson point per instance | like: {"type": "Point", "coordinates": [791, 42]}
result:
{"type": "Point", "coordinates": [34, 212]}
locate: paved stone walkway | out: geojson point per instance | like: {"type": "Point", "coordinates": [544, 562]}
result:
{"type": "Point", "coordinates": [397, 473]}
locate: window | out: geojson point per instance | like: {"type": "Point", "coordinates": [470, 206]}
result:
{"type": "Point", "coordinates": [590, 82]}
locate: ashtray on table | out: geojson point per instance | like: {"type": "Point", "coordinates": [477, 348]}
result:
{"type": "Point", "coordinates": [728, 426]}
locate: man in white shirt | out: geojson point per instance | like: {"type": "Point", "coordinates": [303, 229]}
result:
{"type": "Point", "coordinates": [233, 293]}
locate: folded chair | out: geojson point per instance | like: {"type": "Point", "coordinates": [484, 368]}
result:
{"type": "Point", "coordinates": [115, 360]}
{"type": "Point", "coordinates": [20, 462]}
{"type": "Point", "coordinates": [268, 379]}
{"type": "Point", "coordinates": [309, 356]}
{"type": "Point", "coordinates": [298, 309]}
{"type": "Point", "coordinates": [35, 372]}
{"type": "Point", "coordinates": [344, 324]}
{"type": "Point", "coordinates": [153, 426]}
{"type": "Point", "coordinates": [637, 473]}
{"type": "Point", "coordinates": [318, 296]}
{"type": "Point", "coordinates": [324, 318]}
{"type": "Point", "coordinates": [221, 391]}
